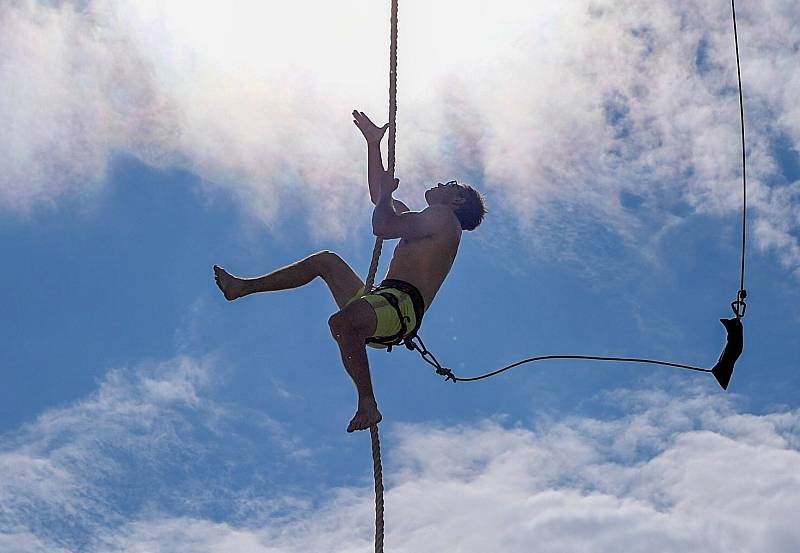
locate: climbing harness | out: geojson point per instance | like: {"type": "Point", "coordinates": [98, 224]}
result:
{"type": "Point", "coordinates": [722, 370]}
{"type": "Point", "coordinates": [419, 311]}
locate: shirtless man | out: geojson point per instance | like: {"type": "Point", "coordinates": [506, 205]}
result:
{"type": "Point", "coordinates": [429, 241]}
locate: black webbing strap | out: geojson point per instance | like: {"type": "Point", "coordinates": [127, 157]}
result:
{"type": "Point", "coordinates": [395, 339]}
{"type": "Point", "coordinates": [429, 358]}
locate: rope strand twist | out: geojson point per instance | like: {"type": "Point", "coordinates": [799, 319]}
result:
{"type": "Point", "coordinates": [373, 269]}
{"type": "Point", "coordinates": [378, 474]}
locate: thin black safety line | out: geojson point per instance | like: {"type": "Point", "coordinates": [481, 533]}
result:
{"type": "Point", "coordinates": [429, 358]}
{"type": "Point", "coordinates": [742, 293]}
{"type": "Point", "coordinates": [584, 357]}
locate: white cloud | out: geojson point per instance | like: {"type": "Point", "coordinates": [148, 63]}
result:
{"type": "Point", "coordinates": [676, 471]}
{"type": "Point", "coordinates": [680, 474]}
{"type": "Point", "coordinates": [148, 435]}
{"type": "Point", "coordinates": [568, 112]}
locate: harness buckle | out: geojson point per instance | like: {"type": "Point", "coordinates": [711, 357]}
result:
{"type": "Point", "coordinates": [446, 373]}
{"type": "Point", "coordinates": [738, 305]}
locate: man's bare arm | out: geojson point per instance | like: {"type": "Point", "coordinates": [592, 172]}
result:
{"type": "Point", "coordinates": [374, 170]}
{"type": "Point", "coordinates": [431, 221]}
{"type": "Point", "coordinates": [386, 223]}
{"type": "Point", "coordinates": [374, 175]}
{"type": "Point", "coordinates": [373, 135]}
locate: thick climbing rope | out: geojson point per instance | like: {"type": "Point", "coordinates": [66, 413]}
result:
{"type": "Point", "coordinates": [376, 252]}
{"type": "Point", "coordinates": [378, 474]}
{"type": "Point", "coordinates": [373, 269]}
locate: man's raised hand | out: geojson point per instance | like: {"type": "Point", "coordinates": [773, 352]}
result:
{"type": "Point", "coordinates": [372, 133]}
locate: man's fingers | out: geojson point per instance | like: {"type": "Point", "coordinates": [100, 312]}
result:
{"type": "Point", "coordinates": [363, 122]}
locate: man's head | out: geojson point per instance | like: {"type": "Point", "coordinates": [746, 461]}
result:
{"type": "Point", "coordinates": [467, 204]}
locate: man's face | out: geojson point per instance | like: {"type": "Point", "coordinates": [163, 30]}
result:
{"type": "Point", "coordinates": [443, 193]}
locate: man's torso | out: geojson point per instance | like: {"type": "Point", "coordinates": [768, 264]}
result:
{"type": "Point", "coordinates": [425, 262]}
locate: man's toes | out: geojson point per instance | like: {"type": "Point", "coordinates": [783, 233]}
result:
{"type": "Point", "coordinates": [356, 424]}
{"type": "Point", "coordinates": [362, 422]}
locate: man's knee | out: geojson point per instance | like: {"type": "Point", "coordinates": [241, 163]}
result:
{"type": "Point", "coordinates": [339, 325]}
{"type": "Point", "coordinates": [352, 320]}
{"type": "Point", "coordinates": [324, 260]}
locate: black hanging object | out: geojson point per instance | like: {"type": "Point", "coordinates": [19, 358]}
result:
{"type": "Point", "coordinates": [723, 370]}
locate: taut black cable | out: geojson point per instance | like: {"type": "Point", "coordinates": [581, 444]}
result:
{"type": "Point", "coordinates": [429, 358]}
{"type": "Point", "coordinates": [739, 305]}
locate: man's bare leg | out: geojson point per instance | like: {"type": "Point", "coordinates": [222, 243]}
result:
{"type": "Point", "coordinates": [340, 278]}
{"type": "Point", "coordinates": [351, 338]}
{"type": "Point", "coordinates": [350, 327]}
{"type": "Point", "coordinates": [292, 276]}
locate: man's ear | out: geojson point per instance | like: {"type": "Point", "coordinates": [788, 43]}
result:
{"type": "Point", "coordinates": [458, 201]}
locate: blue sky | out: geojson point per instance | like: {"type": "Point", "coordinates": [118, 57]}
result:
{"type": "Point", "coordinates": [142, 412]}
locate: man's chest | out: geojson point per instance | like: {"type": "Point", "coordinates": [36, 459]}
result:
{"type": "Point", "coordinates": [425, 250]}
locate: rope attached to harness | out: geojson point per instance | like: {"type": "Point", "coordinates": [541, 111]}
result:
{"type": "Point", "coordinates": [448, 373]}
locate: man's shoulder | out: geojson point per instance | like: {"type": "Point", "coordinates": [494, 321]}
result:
{"type": "Point", "coordinates": [450, 225]}
{"type": "Point", "coordinates": [437, 208]}
{"type": "Point", "coordinates": [440, 212]}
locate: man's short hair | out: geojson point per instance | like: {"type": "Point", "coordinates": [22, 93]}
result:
{"type": "Point", "coordinates": [470, 215]}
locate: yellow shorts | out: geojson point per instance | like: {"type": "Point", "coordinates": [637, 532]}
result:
{"type": "Point", "coordinates": [409, 300]}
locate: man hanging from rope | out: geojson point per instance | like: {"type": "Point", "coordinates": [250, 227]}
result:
{"type": "Point", "coordinates": [429, 240]}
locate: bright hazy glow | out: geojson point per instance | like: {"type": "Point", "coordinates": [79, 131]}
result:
{"type": "Point", "coordinates": [553, 108]}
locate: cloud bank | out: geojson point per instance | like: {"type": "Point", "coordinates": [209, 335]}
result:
{"type": "Point", "coordinates": [573, 116]}
{"type": "Point", "coordinates": [150, 463]}
{"type": "Point", "coordinates": [149, 437]}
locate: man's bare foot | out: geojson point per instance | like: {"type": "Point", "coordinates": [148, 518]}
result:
{"type": "Point", "coordinates": [366, 415]}
{"type": "Point", "coordinates": [229, 284]}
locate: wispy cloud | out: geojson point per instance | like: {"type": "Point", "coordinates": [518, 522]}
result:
{"type": "Point", "coordinates": [149, 436]}
{"type": "Point", "coordinates": [574, 116]}
{"type": "Point", "coordinates": [675, 471]}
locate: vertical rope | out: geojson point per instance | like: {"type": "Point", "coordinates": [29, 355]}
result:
{"type": "Point", "coordinates": [393, 91]}
{"type": "Point", "coordinates": [376, 252]}
{"type": "Point", "coordinates": [739, 304]}
{"type": "Point", "coordinates": [373, 269]}
{"type": "Point", "coordinates": [373, 266]}
{"type": "Point", "coordinates": [378, 472]}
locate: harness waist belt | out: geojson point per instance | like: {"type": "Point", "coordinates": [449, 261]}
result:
{"type": "Point", "coordinates": [417, 301]}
